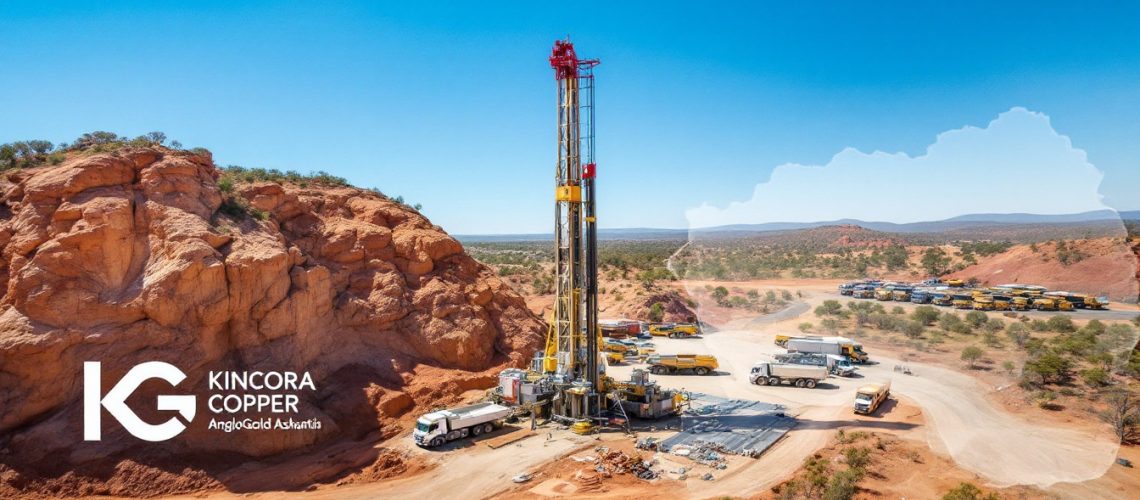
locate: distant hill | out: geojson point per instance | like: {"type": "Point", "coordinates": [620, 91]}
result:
{"type": "Point", "coordinates": [1016, 227]}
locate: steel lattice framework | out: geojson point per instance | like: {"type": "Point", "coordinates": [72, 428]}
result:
{"type": "Point", "coordinates": [571, 348]}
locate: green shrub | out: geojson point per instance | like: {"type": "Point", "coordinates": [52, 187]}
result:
{"type": "Point", "coordinates": [971, 355]}
{"type": "Point", "coordinates": [1095, 377]}
{"type": "Point", "coordinates": [976, 318]}
{"type": "Point", "coordinates": [967, 491]}
{"type": "Point", "coordinates": [1061, 323]}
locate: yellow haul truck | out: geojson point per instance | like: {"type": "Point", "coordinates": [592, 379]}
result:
{"type": "Point", "coordinates": [1019, 303]}
{"type": "Point", "coordinates": [1077, 300]}
{"type": "Point", "coordinates": [983, 303]}
{"type": "Point", "coordinates": [962, 300]}
{"type": "Point", "coordinates": [1047, 303]}
{"type": "Point", "coordinates": [1002, 303]}
{"type": "Point", "coordinates": [942, 299]}
{"type": "Point", "coordinates": [699, 364]}
{"type": "Point", "coordinates": [674, 330]}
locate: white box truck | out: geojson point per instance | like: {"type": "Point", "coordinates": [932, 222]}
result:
{"type": "Point", "coordinates": [780, 373]}
{"type": "Point", "coordinates": [438, 427]}
{"type": "Point", "coordinates": [836, 346]}
{"type": "Point", "coordinates": [837, 365]}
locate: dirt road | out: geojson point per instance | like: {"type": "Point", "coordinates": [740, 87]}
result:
{"type": "Point", "coordinates": [1003, 448]}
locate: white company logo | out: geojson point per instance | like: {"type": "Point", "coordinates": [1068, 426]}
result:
{"type": "Point", "coordinates": [115, 401]}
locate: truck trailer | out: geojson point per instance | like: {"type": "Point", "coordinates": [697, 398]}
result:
{"type": "Point", "coordinates": [780, 373]}
{"type": "Point", "coordinates": [438, 427]}
{"type": "Point", "coordinates": [838, 346]}
{"type": "Point", "coordinates": [836, 365]}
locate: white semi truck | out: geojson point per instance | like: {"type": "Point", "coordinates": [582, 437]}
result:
{"type": "Point", "coordinates": [781, 373]}
{"type": "Point", "coordinates": [438, 427]}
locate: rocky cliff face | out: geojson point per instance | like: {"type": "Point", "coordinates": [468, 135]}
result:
{"type": "Point", "coordinates": [124, 257]}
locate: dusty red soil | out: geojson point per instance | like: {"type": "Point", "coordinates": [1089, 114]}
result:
{"type": "Point", "coordinates": [902, 465]}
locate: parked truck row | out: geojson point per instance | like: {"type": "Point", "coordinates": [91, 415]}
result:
{"type": "Point", "coordinates": [955, 293]}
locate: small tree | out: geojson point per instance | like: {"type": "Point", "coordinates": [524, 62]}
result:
{"type": "Point", "coordinates": [829, 308]}
{"type": "Point", "coordinates": [972, 354]}
{"type": "Point", "coordinates": [1018, 333]}
{"type": "Point", "coordinates": [156, 138]}
{"type": "Point", "coordinates": [857, 457]}
{"type": "Point", "coordinates": [1123, 414]}
{"type": "Point", "coordinates": [1061, 323]}
{"type": "Point", "coordinates": [994, 325]}
{"type": "Point", "coordinates": [843, 484]}
{"type": "Point", "coordinates": [976, 318]}
{"type": "Point", "coordinates": [1050, 367]}
{"type": "Point", "coordinates": [719, 293]}
{"type": "Point", "coordinates": [1008, 366]}
{"type": "Point", "coordinates": [926, 315]}
{"type": "Point", "coordinates": [912, 329]}
{"type": "Point", "coordinates": [935, 261]}
{"type": "Point", "coordinates": [805, 327]}
{"type": "Point", "coordinates": [656, 312]}
{"type": "Point", "coordinates": [967, 491]}
{"type": "Point", "coordinates": [1095, 376]}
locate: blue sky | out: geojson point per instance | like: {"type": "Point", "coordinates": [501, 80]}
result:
{"type": "Point", "coordinates": [452, 106]}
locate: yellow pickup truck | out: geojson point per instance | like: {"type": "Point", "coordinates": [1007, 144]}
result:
{"type": "Point", "coordinates": [699, 364]}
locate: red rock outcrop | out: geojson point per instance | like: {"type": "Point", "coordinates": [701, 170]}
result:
{"type": "Point", "coordinates": [675, 308]}
{"type": "Point", "coordinates": [124, 257]}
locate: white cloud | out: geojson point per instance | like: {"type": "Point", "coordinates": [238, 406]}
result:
{"type": "Point", "coordinates": [1016, 164]}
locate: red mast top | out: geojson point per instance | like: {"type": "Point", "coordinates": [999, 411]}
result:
{"type": "Point", "coordinates": [565, 62]}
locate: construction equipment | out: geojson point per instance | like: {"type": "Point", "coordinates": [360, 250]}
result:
{"type": "Point", "coordinates": [674, 330]}
{"type": "Point", "coordinates": [438, 427]}
{"type": "Point", "coordinates": [619, 328]}
{"type": "Point", "coordinates": [1002, 303]}
{"type": "Point", "coordinates": [942, 299]}
{"type": "Point", "coordinates": [962, 300]}
{"type": "Point", "coordinates": [835, 364]}
{"type": "Point", "coordinates": [870, 396]}
{"type": "Point", "coordinates": [885, 292]}
{"type": "Point", "coordinates": [1019, 303]}
{"type": "Point", "coordinates": [863, 291]}
{"type": "Point", "coordinates": [983, 303]}
{"type": "Point", "coordinates": [921, 296]}
{"type": "Point", "coordinates": [786, 373]}
{"type": "Point", "coordinates": [643, 398]}
{"type": "Point", "coordinates": [611, 345]}
{"type": "Point", "coordinates": [615, 358]}
{"type": "Point", "coordinates": [699, 364]}
{"type": "Point", "coordinates": [839, 346]}
{"type": "Point", "coordinates": [956, 283]}
{"type": "Point", "coordinates": [901, 293]}
{"type": "Point", "coordinates": [1077, 300]}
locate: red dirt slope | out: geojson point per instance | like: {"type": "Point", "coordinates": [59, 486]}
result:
{"type": "Point", "coordinates": [1108, 267]}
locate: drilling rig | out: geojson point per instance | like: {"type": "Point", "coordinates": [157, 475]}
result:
{"type": "Point", "coordinates": [566, 381]}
